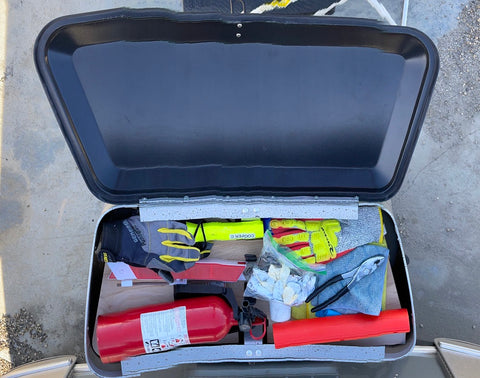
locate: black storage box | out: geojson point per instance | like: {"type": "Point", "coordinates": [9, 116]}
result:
{"type": "Point", "coordinates": [182, 116]}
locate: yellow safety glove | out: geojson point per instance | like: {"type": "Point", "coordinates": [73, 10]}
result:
{"type": "Point", "coordinates": [315, 240]}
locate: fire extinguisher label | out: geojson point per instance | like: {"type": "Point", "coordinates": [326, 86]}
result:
{"type": "Point", "coordinates": [164, 330]}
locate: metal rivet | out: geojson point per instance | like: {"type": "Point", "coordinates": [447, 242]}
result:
{"type": "Point", "coordinates": [238, 35]}
{"type": "Point", "coordinates": [239, 26]}
{"type": "Point", "coordinates": [258, 353]}
{"type": "Point", "coordinates": [249, 353]}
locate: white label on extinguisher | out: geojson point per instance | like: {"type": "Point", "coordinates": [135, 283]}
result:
{"type": "Point", "coordinates": [164, 330]}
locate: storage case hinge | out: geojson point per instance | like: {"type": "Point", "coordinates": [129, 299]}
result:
{"type": "Point", "coordinates": [248, 207]}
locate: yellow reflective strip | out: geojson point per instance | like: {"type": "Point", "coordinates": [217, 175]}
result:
{"type": "Point", "coordinates": [178, 245]}
{"type": "Point", "coordinates": [105, 257]}
{"type": "Point", "coordinates": [384, 294]}
{"type": "Point", "coordinates": [381, 240]}
{"type": "Point", "coordinates": [168, 258]}
{"type": "Point", "coordinates": [175, 231]}
{"type": "Point", "coordinates": [205, 251]}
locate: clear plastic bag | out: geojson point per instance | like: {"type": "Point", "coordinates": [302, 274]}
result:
{"type": "Point", "coordinates": [276, 278]}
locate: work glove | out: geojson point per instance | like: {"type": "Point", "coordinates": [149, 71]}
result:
{"type": "Point", "coordinates": [163, 246]}
{"type": "Point", "coordinates": [319, 241]}
{"type": "Point", "coordinates": [314, 241]}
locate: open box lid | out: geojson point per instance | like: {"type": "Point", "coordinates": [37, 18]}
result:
{"type": "Point", "coordinates": [155, 104]}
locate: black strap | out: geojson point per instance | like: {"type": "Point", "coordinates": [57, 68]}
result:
{"type": "Point", "coordinates": [205, 245]}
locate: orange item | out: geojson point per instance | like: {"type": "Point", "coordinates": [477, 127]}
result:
{"type": "Point", "coordinates": [338, 328]}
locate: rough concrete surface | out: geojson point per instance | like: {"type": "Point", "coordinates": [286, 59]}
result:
{"type": "Point", "coordinates": [48, 216]}
{"type": "Point", "coordinates": [438, 204]}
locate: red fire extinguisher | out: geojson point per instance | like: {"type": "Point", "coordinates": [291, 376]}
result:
{"type": "Point", "coordinates": [162, 327]}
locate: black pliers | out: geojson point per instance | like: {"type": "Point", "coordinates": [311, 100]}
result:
{"type": "Point", "coordinates": [367, 267]}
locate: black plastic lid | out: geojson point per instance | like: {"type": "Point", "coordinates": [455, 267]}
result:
{"type": "Point", "coordinates": [159, 104]}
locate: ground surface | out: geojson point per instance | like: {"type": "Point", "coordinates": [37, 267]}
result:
{"type": "Point", "coordinates": [47, 215]}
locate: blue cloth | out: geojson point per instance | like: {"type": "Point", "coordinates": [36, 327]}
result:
{"type": "Point", "coordinates": [365, 296]}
